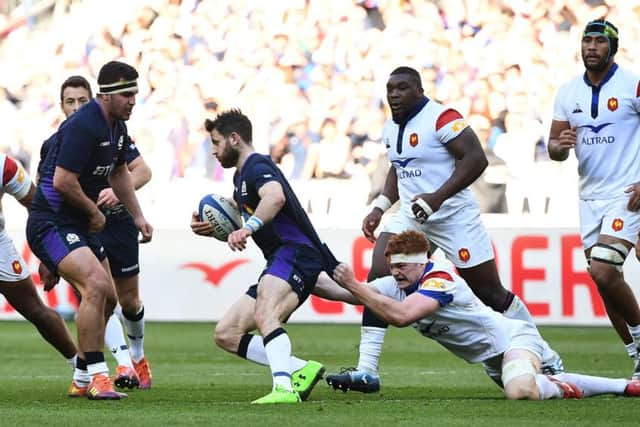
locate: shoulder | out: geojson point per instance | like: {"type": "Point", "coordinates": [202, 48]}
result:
{"type": "Point", "coordinates": [437, 281]}
{"type": "Point", "coordinates": [575, 84]}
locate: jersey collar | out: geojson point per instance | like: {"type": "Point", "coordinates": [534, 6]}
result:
{"type": "Point", "coordinates": [610, 74]}
{"type": "Point", "coordinates": [411, 289]}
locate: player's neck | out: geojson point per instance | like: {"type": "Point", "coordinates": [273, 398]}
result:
{"type": "Point", "coordinates": [244, 155]}
{"type": "Point", "coordinates": [596, 77]}
{"type": "Point", "coordinates": [107, 116]}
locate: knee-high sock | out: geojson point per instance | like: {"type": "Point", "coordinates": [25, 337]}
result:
{"type": "Point", "coordinates": [115, 342]}
{"type": "Point", "coordinates": [135, 331]}
{"type": "Point", "coordinates": [278, 348]}
{"type": "Point", "coordinates": [252, 348]}
{"type": "Point", "coordinates": [593, 386]}
{"type": "Point", "coordinates": [371, 339]}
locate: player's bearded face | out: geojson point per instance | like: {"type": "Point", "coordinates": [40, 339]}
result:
{"type": "Point", "coordinates": [403, 93]}
{"type": "Point", "coordinates": [228, 156]}
{"type": "Point", "coordinates": [122, 105]}
{"type": "Point", "coordinates": [595, 53]}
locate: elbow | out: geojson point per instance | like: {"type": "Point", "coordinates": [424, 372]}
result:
{"type": "Point", "coordinates": [400, 321]}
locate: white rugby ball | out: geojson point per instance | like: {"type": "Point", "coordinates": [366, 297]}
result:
{"type": "Point", "coordinates": [221, 214]}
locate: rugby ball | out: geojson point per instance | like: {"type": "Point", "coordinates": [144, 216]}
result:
{"type": "Point", "coordinates": [221, 214]}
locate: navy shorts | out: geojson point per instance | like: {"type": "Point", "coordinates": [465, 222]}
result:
{"type": "Point", "coordinates": [120, 241]}
{"type": "Point", "coordinates": [51, 242]}
{"type": "Point", "coordinates": [298, 265]}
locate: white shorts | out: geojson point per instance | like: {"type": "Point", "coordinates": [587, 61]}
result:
{"type": "Point", "coordinates": [524, 336]}
{"type": "Point", "coordinates": [461, 235]}
{"type": "Point", "coordinates": [12, 266]}
{"type": "Point", "coordinates": [609, 217]}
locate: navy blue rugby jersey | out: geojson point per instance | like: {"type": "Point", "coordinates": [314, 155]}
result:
{"type": "Point", "coordinates": [291, 225]}
{"type": "Point", "coordinates": [84, 144]}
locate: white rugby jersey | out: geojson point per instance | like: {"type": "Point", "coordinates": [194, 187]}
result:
{"type": "Point", "coordinates": [13, 180]}
{"type": "Point", "coordinates": [418, 152]}
{"type": "Point", "coordinates": [463, 324]}
{"type": "Point", "coordinates": [608, 131]}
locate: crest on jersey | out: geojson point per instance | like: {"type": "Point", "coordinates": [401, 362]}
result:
{"type": "Point", "coordinates": [612, 104]}
{"type": "Point", "coordinates": [464, 254]}
{"type": "Point", "coordinates": [17, 267]}
{"type": "Point", "coordinates": [20, 175]}
{"type": "Point", "coordinates": [458, 125]}
{"type": "Point", "coordinates": [617, 224]}
{"type": "Point", "coordinates": [433, 284]}
{"type": "Point", "coordinates": [577, 110]}
{"type": "Point", "coordinates": [413, 139]}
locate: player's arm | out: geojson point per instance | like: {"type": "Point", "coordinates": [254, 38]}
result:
{"type": "Point", "coordinates": [17, 181]}
{"type": "Point", "coordinates": [120, 181]}
{"type": "Point", "coordinates": [470, 162]}
{"type": "Point", "coordinates": [272, 200]}
{"type": "Point", "coordinates": [140, 175]}
{"type": "Point", "coordinates": [381, 204]}
{"type": "Point", "coordinates": [66, 183]}
{"type": "Point", "coordinates": [328, 289]}
{"type": "Point", "coordinates": [26, 200]}
{"type": "Point", "coordinates": [562, 138]}
{"type": "Point", "coordinates": [397, 313]}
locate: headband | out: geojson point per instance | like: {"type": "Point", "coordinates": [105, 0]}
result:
{"type": "Point", "coordinates": [417, 258]}
{"type": "Point", "coordinates": [118, 87]}
{"type": "Point", "coordinates": [603, 28]}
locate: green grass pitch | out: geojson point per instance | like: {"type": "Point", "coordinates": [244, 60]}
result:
{"type": "Point", "coordinates": [196, 383]}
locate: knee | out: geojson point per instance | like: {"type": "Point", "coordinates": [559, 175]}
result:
{"type": "Point", "coordinates": [605, 275]}
{"type": "Point", "coordinates": [225, 338]}
{"type": "Point", "coordinates": [523, 388]}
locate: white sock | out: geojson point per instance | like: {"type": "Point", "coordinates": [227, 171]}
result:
{"type": "Point", "coordinates": [135, 332]}
{"type": "Point", "coordinates": [98, 368]}
{"type": "Point", "coordinates": [518, 310]}
{"type": "Point", "coordinates": [278, 351]}
{"type": "Point", "coordinates": [593, 386]}
{"type": "Point", "coordinates": [547, 388]}
{"type": "Point", "coordinates": [256, 353]}
{"type": "Point", "coordinates": [72, 361]}
{"type": "Point", "coordinates": [632, 350]}
{"type": "Point", "coordinates": [115, 342]}
{"type": "Point", "coordinates": [371, 339]}
{"type": "Point", "coordinates": [81, 377]}
{"type": "Point", "coordinates": [635, 333]}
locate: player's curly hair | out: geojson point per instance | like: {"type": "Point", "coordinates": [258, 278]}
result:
{"type": "Point", "coordinates": [231, 121]}
{"type": "Point", "coordinates": [407, 242]}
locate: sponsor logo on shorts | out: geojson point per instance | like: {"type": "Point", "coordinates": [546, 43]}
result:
{"type": "Point", "coordinates": [130, 268]}
{"type": "Point", "coordinates": [617, 224]}
{"type": "Point", "coordinates": [464, 254]}
{"type": "Point", "coordinates": [17, 267]}
{"type": "Point", "coordinates": [612, 104]}
{"type": "Point", "coordinates": [105, 143]}
{"type": "Point", "coordinates": [72, 238]}
{"type": "Point", "coordinates": [413, 139]}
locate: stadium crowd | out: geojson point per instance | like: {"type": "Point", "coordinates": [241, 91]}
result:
{"type": "Point", "coordinates": [311, 74]}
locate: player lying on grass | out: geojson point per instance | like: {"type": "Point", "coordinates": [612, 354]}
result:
{"type": "Point", "coordinates": [439, 304]}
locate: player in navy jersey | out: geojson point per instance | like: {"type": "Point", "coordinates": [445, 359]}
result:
{"type": "Point", "coordinates": [597, 115]}
{"type": "Point", "coordinates": [88, 155]}
{"type": "Point", "coordinates": [119, 239]}
{"type": "Point", "coordinates": [294, 253]}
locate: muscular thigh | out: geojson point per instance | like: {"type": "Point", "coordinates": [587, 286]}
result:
{"type": "Point", "coordinates": [240, 316]}
{"type": "Point", "coordinates": [82, 268]}
{"type": "Point", "coordinates": [276, 296]}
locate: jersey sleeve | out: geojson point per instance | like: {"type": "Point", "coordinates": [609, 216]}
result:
{"type": "Point", "coordinates": [261, 173]}
{"type": "Point", "coordinates": [449, 125]}
{"type": "Point", "coordinates": [438, 285]}
{"type": "Point", "coordinates": [15, 180]}
{"type": "Point", "coordinates": [559, 112]}
{"type": "Point", "coordinates": [132, 152]}
{"type": "Point", "coordinates": [77, 144]}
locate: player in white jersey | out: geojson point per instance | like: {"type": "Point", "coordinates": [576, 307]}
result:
{"type": "Point", "coordinates": [439, 304]}
{"type": "Point", "coordinates": [434, 157]}
{"type": "Point", "coordinates": [15, 279]}
{"type": "Point", "coordinates": [598, 115]}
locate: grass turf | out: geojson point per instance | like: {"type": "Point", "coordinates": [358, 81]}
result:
{"type": "Point", "coordinates": [196, 383]}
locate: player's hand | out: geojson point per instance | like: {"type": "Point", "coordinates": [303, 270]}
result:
{"type": "Point", "coordinates": [107, 198]}
{"type": "Point", "coordinates": [145, 229]}
{"type": "Point", "coordinates": [97, 221]}
{"type": "Point", "coordinates": [343, 274]}
{"type": "Point", "coordinates": [237, 240]}
{"type": "Point", "coordinates": [201, 228]}
{"type": "Point", "coordinates": [370, 223]}
{"type": "Point", "coordinates": [421, 213]}
{"type": "Point", "coordinates": [634, 198]}
{"type": "Point", "coordinates": [48, 279]}
{"type": "Point", "coordinates": [567, 138]}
